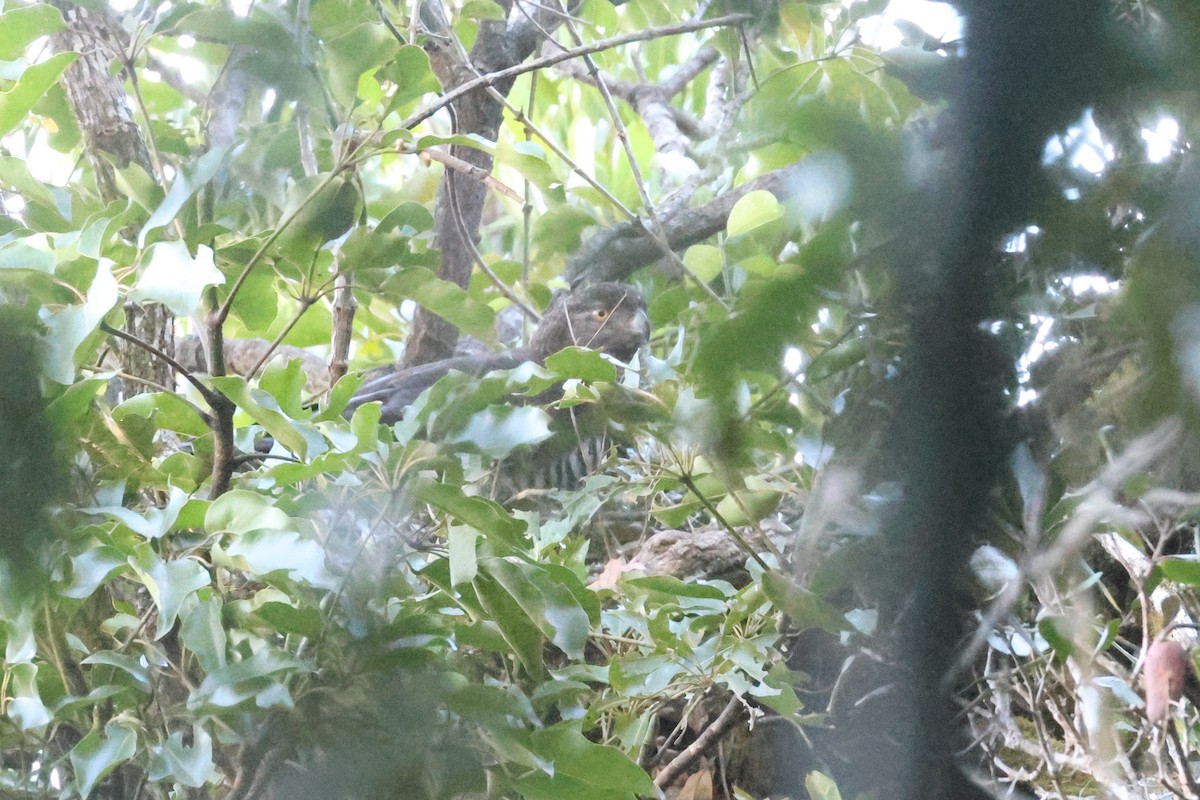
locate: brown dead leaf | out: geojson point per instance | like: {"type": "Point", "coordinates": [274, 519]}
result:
{"type": "Point", "coordinates": [699, 786]}
{"type": "Point", "coordinates": [607, 579]}
{"type": "Point", "coordinates": [1166, 665]}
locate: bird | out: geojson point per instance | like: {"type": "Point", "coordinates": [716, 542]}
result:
{"type": "Point", "coordinates": [609, 317]}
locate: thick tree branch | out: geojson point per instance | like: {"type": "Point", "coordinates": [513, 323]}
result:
{"type": "Point", "coordinates": [615, 253]}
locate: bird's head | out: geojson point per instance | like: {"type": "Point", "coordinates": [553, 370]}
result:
{"type": "Point", "coordinates": [610, 317]}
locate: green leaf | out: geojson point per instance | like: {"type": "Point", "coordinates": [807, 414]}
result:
{"type": "Point", "coordinates": [165, 411]}
{"type": "Point", "coordinates": [169, 583]}
{"type": "Point", "coordinates": [753, 210]}
{"type": "Point", "coordinates": [519, 632]}
{"type": "Point", "coordinates": [203, 633]}
{"type": "Point", "coordinates": [1181, 570]}
{"type": "Point", "coordinates": [241, 511]}
{"type": "Point", "coordinates": [483, 515]}
{"type": "Point", "coordinates": [176, 279]}
{"type": "Point", "coordinates": [14, 172]}
{"type": "Point", "coordinates": [705, 261]}
{"type": "Point", "coordinates": [804, 609]}
{"type": "Point", "coordinates": [411, 74]}
{"type": "Point", "coordinates": [551, 607]}
{"type": "Point", "coordinates": [461, 545]}
{"type": "Point", "coordinates": [35, 82]}
{"type": "Point", "coordinates": [580, 769]}
{"type": "Point", "coordinates": [482, 9]}
{"type": "Point", "coordinates": [265, 551]}
{"type": "Point", "coordinates": [443, 298]}
{"type": "Point", "coordinates": [747, 507]}
{"type": "Point", "coordinates": [128, 663]}
{"type": "Point", "coordinates": [175, 761]}
{"type": "Point", "coordinates": [408, 219]}
{"type": "Point", "coordinates": [97, 755]}
{"type": "Point", "coordinates": [529, 159]}
{"type": "Point", "coordinates": [579, 362]}
{"type": "Point", "coordinates": [249, 678]}
{"type": "Point", "coordinates": [289, 619]}
{"type": "Point", "coordinates": [188, 181]}
{"type": "Point", "coordinates": [263, 409]}
{"type": "Point", "coordinates": [25, 707]}
{"type": "Point", "coordinates": [560, 230]}
{"type": "Point", "coordinates": [497, 431]}
{"type": "Point", "coordinates": [92, 568]}
{"type": "Point", "coordinates": [821, 787]}
{"type": "Point", "coordinates": [19, 28]}
{"type": "Point", "coordinates": [68, 327]}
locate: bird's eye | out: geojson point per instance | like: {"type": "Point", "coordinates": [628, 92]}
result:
{"type": "Point", "coordinates": [600, 314]}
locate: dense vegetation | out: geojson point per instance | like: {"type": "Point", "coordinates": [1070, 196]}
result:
{"type": "Point", "coordinates": [859, 260]}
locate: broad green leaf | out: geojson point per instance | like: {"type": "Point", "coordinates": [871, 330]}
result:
{"type": "Point", "coordinates": [249, 678]}
{"type": "Point", "coordinates": [263, 409]}
{"type": "Point", "coordinates": [560, 230]}
{"type": "Point", "coordinates": [443, 298]}
{"type": "Point", "coordinates": [461, 544]}
{"type": "Point", "coordinates": [411, 74]}
{"type": "Point", "coordinates": [289, 619]}
{"type": "Point", "coordinates": [705, 261]}
{"type": "Point", "coordinates": [284, 380]}
{"type": "Point", "coordinates": [29, 252]}
{"type": "Point", "coordinates": [92, 568]}
{"type": "Point", "coordinates": [1181, 570]}
{"type": "Point", "coordinates": [188, 181]}
{"type": "Point", "coordinates": [175, 761]}
{"type": "Point", "coordinates": [519, 632]}
{"type": "Point", "coordinates": [19, 27]}
{"type": "Point", "coordinates": [673, 586]}
{"type": "Point", "coordinates": [203, 633]}
{"type": "Point", "coordinates": [25, 707]}
{"type": "Point", "coordinates": [804, 609]}
{"type": "Point", "coordinates": [746, 507]}
{"type": "Point", "coordinates": [14, 172]}
{"type": "Point", "coordinates": [128, 663]}
{"type": "Point", "coordinates": [497, 431]}
{"type": "Point", "coordinates": [580, 769]}
{"type": "Point", "coordinates": [551, 607]}
{"type": "Point", "coordinates": [169, 583]}
{"type": "Point", "coordinates": [35, 82]}
{"type": "Point", "coordinates": [242, 511]}
{"type": "Point", "coordinates": [482, 9]}
{"type": "Point", "coordinates": [484, 515]}
{"type": "Point", "coordinates": [264, 551]}
{"type": "Point", "coordinates": [408, 219]}
{"type": "Point", "coordinates": [98, 754]}
{"type": "Point", "coordinates": [529, 159]}
{"type": "Point", "coordinates": [579, 362]}
{"type": "Point", "coordinates": [176, 279]}
{"type": "Point", "coordinates": [821, 787]}
{"type": "Point", "coordinates": [753, 210]}
{"type": "Point", "coordinates": [67, 327]}
{"type": "Point", "coordinates": [165, 411]}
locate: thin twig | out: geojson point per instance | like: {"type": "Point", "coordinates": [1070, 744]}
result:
{"type": "Point", "coordinates": [493, 78]}
{"type": "Point", "coordinates": [724, 723]}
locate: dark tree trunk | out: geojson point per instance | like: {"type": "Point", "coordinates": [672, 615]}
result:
{"type": "Point", "coordinates": [101, 106]}
{"type": "Point", "coordinates": [460, 201]}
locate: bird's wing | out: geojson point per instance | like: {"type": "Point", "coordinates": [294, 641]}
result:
{"type": "Point", "coordinates": [398, 389]}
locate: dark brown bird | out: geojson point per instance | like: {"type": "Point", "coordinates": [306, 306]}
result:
{"type": "Point", "coordinates": [609, 317]}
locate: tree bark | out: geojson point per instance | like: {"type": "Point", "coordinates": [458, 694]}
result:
{"type": "Point", "coordinates": [101, 106]}
{"type": "Point", "coordinates": [460, 202]}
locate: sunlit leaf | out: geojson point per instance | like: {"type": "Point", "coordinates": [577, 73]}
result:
{"type": "Point", "coordinates": [34, 82]}
{"type": "Point", "coordinates": [98, 754]}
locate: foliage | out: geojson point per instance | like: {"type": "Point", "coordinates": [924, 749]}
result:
{"type": "Point", "coordinates": [368, 611]}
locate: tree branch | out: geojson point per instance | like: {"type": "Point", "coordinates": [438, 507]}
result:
{"type": "Point", "coordinates": [722, 725]}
